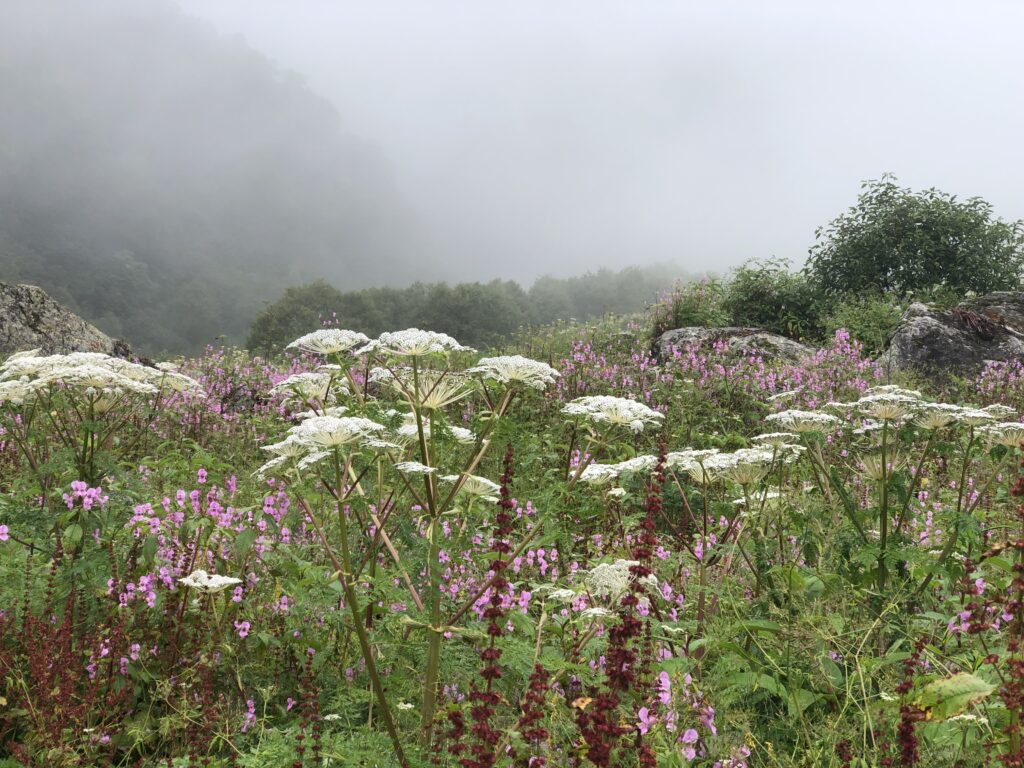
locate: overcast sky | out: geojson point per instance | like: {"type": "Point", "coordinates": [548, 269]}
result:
{"type": "Point", "coordinates": [563, 135]}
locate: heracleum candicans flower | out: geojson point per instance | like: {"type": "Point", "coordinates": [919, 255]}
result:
{"type": "Point", "coordinates": [329, 341]}
{"type": "Point", "coordinates": [803, 421]}
{"type": "Point", "coordinates": [311, 385]}
{"type": "Point", "coordinates": [975, 417]}
{"type": "Point", "coordinates": [474, 485]}
{"type": "Point", "coordinates": [412, 342]}
{"type": "Point", "coordinates": [208, 582]}
{"type": "Point", "coordinates": [888, 406]}
{"type": "Point", "coordinates": [616, 411]}
{"type": "Point", "coordinates": [335, 431]}
{"type": "Point", "coordinates": [414, 468]}
{"type": "Point", "coordinates": [775, 439]}
{"type": "Point", "coordinates": [1000, 411]}
{"type": "Point", "coordinates": [937, 415]}
{"type": "Point", "coordinates": [513, 369]}
{"type": "Point", "coordinates": [1008, 433]}
{"type": "Point", "coordinates": [610, 580]}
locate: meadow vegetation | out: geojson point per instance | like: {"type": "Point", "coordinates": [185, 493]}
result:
{"type": "Point", "coordinates": [402, 551]}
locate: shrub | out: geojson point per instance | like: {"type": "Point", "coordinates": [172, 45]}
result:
{"type": "Point", "coordinates": [765, 294]}
{"type": "Point", "coordinates": [901, 241]}
{"type": "Point", "coordinates": [869, 317]}
{"type": "Point", "coordinates": [688, 304]}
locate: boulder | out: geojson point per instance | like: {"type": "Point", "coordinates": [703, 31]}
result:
{"type": "Point", "coordinates": [744, 341]}
{"type": "Point", "coordinates": [30, 319]}
{"type": "Point", "coordinates": [940, 344]}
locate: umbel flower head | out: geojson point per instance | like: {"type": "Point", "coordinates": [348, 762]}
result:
{"type": "Point", "coordinates": [776, 439]}
{"type": "Point", "coordinates": [329, 341]}
{"type": "Point", "coordinates": [888, 406]}
{"type": "Point", "coordinates": [745, 466]}
{"type": "Point", "coordinates": [1008, 433]}
{"type": "Point", "coordinates": [477, 486]}
{"type": "Point", "coordinates": [803, 421]}
{"type": "Point", "coordinates": [1000, 411]}
{"type": "Point", "coordinates": [937, 415]}
{"type": "Point", "coordinates": [408, 431]}
{"type": "Point", "coordinates": [430, 389]}
{"type": "Point", "coordinates": [412, 342]}
{"type": "Point", "coordinates": [335, 431]}
{"type": "Point", "coordinates": [616, 411]}
{"type": "Point", "coordinates": [93, 373]}
{"type": "Point", "coordinates": [208, 582]}
{"type": "Point", "coordinates": [610, 580]}
{"type": "Point", "coordinates": [515, 369]}
{"type": "Point", "coordinates": [311, 385]}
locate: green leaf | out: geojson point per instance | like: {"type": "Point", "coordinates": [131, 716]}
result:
{"type": "Point", "coordinates": [952, 696]}
{"type": "Point", "coordinates": [244, 541]}
{"type": "Point", "coordinates": [760, 625]}
{"type": "Point", "coordinates": [72, 536]}
{"type": "Point", "coordinates": [799, 700]}
{"type": "Point", "coordinates": [149, 549]}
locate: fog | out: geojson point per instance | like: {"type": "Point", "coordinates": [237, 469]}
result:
{"type": "Point", "coordinates": [167, 166]}
{"type": "Point", "coordinates": [558, 136]}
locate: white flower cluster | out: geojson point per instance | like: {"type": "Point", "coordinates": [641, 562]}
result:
{"type": "Point", "coordinates": [476, 486]}
{"type": "Point", "coordinates": [802, 421]}
{"type": "Point", "coordinates": [602, 474]}
{"type": "Point", "coordinates": [412, 342]}
{"type": "Point", "coordinates": [329, 341]}
{"type": "Point", "coordinates": [744, 467]}
{"type": "Point", "coordinates": [616, 411]}
{"type": "Point", "coordinates": [334, 431]}
{"type": "Point", "coordinates": [24, 374]}
{"type": "Point", "coordinates": [310, 441]}
{"type": "Point", "coordinates": [414, 468]}
{"type": "Point", "coordinates": [408, 431]}
{"type": "Point", "coordinates": [1008, 433]}
{"type": "Point", "coordinates": [610, 580]}
{"type": "Point", "coordinates": [429, 389]}
{"type": "Point", "coordinates": [515, 369]}
{"type": "Point", "coordinates": [310, 386]}
{"type": "Point", "coordinates": [208, 583]}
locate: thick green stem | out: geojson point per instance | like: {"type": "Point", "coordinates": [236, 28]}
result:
{"type": "Point", "coordinates": [883, 514]}
{"type": "Point", "coordinates": [344, 569]}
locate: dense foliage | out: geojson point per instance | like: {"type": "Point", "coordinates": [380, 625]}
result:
{"type": "Point", "coordinates": [396, 551]}
{"type": "Point", "coordinates": [898, 241]}
{"type": "Point", "coordinates": [478, 313]}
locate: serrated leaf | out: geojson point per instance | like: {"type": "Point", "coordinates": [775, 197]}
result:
{"type": "Point", "coordinates": [952, 696]}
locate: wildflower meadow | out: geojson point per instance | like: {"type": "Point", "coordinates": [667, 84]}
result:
{"type": "Point", "coordinates": [401, 551]}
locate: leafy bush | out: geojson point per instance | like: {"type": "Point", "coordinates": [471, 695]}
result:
{"type": "Point", "coordinates": [899, 241]}
{"type": "Point", "coordinates": [870, 318]}
{"type": "Point", "coordinates": [766, 294]}
{"type": "Point", "coordinates": [692, 303]}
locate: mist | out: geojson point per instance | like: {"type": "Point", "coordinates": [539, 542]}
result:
{"type": "Point", "coordinates": [168, 166]}
{"type": "Point", "coordinates": [536, 136]}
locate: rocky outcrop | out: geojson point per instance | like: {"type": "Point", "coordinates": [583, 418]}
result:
{"type": "Point", "coordinates": [30, 319]}
{"type": "Point", "coordinates": [744, 341]}
{"type": "Point", "coordinates": [940, 344]}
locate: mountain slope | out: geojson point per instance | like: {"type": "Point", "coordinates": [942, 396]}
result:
{"type": "Point", "coordinates": [165, 180]}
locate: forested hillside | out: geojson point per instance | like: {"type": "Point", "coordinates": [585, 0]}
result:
{"type": "Point", "coordinates": [164, 180]}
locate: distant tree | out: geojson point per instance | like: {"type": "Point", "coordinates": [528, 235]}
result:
{"type": "Point", "coordinates": [302, 309]}
{"type": "Point", "coordinates": [899, 241]}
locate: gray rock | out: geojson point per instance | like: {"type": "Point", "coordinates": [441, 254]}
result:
{"type": "Point", "coordinates": [940, 344]}
{"type": "Point", "coordinates": [744, 341]}
{"type": "Point", "coordinates": [30, 319]}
